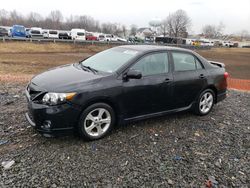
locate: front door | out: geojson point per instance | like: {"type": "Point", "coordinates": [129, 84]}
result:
{"type": "Point", "coordinates": [152, 93]}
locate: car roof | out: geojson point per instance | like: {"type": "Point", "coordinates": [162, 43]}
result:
{"type": "Point", "coordinates": [149, 48]}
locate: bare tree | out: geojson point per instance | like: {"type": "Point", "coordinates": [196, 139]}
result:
{"type": "Point", "coordinates": [16, 18]}
{"type": "Point", "coordinates": [133, 30]}
{"type": "Point", "coordinates": [164, 27]}
{"type": "Point", "coordinates": [213, 31]}
{"type": "Point", "coordinates": [4, 17]}
{"type": "Point", "coordinates": [177, 23]}
{"type": "Point", "coordinates": [244, 34]}
{"type": "Point", "coordinates": [107, 28]}
{"type": "Point", "coordinates": [34, 19]}
{"type": "Point", "coordinates": [124, 30]}
{"type": "Point", "coordinates": [54, 19]}
{"type": "Point", "coordinates": [112, 28]}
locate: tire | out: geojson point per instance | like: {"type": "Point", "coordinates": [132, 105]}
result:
{"type": "Point", "coordinates": [96, 121]}
{"type": "Point", "coordinates": [204, 103]}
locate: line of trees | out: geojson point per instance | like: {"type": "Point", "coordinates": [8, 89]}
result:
{"type": "Point", "coordinates": [174, 25]}
{"type": "Point", "coordinates": [55, 20]}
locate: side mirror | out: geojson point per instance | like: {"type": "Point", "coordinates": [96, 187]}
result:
{"type": "Point", "coordinates": [133, 74]}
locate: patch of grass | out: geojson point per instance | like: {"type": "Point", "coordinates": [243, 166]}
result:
{"type": "Point", "coordinates": [47, 47]}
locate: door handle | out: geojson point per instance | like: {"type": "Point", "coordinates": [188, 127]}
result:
{"type": "Point", "coordinates": [167, 80]}
{"type": "Point", "coordinates": [202, 76]}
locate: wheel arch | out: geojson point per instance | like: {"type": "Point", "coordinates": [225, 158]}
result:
{"type": "Point", "coordinates": [213, 88]}
{"type": "Point", "coordinates": [105, 100]}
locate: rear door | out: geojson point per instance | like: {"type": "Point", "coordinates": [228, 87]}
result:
{"type": "Point", "coordinates": [152, 93]}
{"type": "Point", "coordinates": [189, 78]}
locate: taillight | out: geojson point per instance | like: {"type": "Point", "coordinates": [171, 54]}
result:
{"type": "Point", "coordinates": [226, 75]}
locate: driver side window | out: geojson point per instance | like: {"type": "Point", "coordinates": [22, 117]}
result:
{"type": "Point", "coordinates": [152, 64]}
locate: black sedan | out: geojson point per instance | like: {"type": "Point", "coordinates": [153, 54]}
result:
{"type": "Point", "coordinates": [120, 85]}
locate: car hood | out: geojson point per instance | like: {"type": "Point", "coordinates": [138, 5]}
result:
{"type": "Point", "coordinates": [65, 78]}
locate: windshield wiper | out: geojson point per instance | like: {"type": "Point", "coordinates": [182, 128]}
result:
{"type": "Point", "coordinates": [89, 68]}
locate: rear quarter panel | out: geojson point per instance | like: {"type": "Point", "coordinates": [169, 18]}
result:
{"type": "Point", "coordinates": [216, 78]}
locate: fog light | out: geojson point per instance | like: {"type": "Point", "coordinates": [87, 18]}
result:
{"type": "Point", "coordinates": [46, 124]}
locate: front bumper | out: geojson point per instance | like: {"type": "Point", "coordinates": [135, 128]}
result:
{"type": "Point", "coordinates": [61, 118]}
{"type": "Point", "coordinates": [53, 120]}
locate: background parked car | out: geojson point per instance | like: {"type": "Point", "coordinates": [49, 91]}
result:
{"type": "Point", "coordinates": [27, 32]}
{"type": "Point", "coordinates": [101, 37]}
{"type": "Point", "coordinates": [133, 39]}
{"type": "Point", "coordinates": [110, 37]}
{"type": "Point", "coordinates": [78, 34]}
{"type": "Point", "coordinates": [36, 32]}
{"type": "Point", "coordinates": [64, 35]}
{"type": "Point", "coordinates": [227, 44]}
{"type": "Point", "coordinates": [90, 36]}
{"type": "Point", "coordinates": [3, 32]}
{"type": "Point", "coordinates": [119, 39]}
{"type": "Point", "coordinates": [18, 31]}
{"type": "Point", "coordinates": [45, 33]}
{"type": "Point", "coordinates": [53, 34]}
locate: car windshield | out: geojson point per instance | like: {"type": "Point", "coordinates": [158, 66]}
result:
{"type": "Point", "coordinates": [20, 29]}
{"type": "Point", "coordinates": [110, 60]}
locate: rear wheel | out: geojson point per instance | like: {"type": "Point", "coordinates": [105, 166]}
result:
{"type": "Point", "coordinates": [205, 102]}
{"type": "Point", "coordinates": [96, 121]}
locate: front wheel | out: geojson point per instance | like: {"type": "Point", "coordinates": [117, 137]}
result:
{"type": "Point", "coordinates": [205, 102]}
{"type": "Point", "coordinates": [96, 121]}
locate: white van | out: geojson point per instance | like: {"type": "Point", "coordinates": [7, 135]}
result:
{"type": "Point", "coordinates": [78, 34]}
{"type": "Point", "coordinates": [53, 34]}
{"type": "Point", "coordinates": [36, 32]}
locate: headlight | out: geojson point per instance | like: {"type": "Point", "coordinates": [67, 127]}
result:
{"type": "Point", "coordinates": [57, 98]}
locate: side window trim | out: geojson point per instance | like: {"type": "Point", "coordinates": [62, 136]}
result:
{"type": "Point", "coordinates": [197, 60]}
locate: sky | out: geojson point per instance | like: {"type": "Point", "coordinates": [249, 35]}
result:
{"type": "Point", "coordinates": [235, 14]}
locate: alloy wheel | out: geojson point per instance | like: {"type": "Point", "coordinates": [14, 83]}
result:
{"type": "Point", "coordinates": [97, 122]}
{"type": "Point", "coordinates": [206, 102]}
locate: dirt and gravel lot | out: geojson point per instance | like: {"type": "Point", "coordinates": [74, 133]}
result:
{"type": "Point", "coordinates": [180, 150]}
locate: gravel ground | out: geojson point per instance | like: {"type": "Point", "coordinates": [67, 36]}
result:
{"type": "Point", "coordinates": [179, 150]}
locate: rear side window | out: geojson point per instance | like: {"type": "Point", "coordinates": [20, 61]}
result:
{"type": "Point", "coordinates": [152, 64]}
{"type": "Point", "coordinates": [185, 62]}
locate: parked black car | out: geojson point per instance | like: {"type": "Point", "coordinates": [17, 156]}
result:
{"type": "Point", "coordinates": [123, 84]}
{"type": "Point", "coordinates": [64, 35]}
{"type": "Point", "coordinates": [3, 32]}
